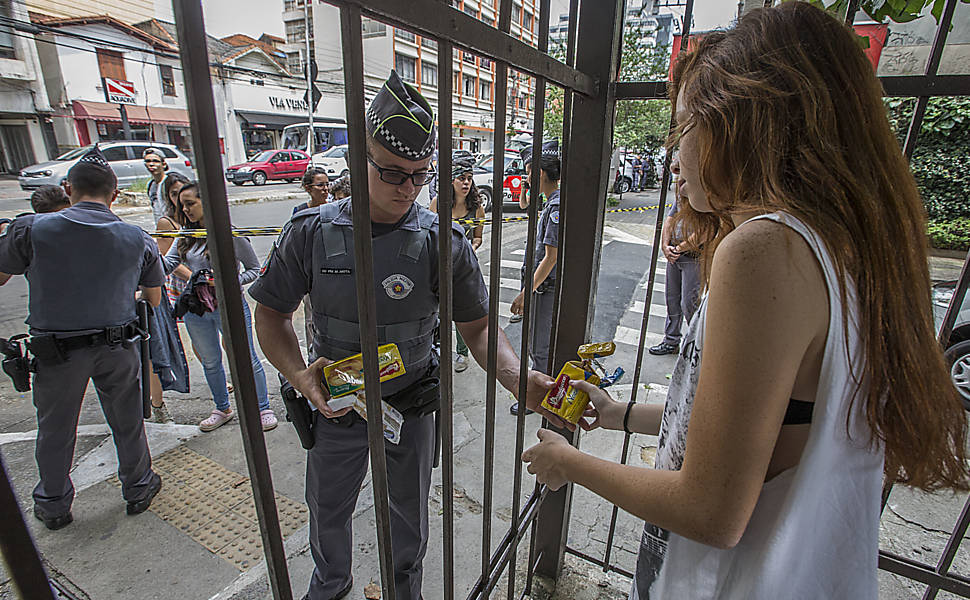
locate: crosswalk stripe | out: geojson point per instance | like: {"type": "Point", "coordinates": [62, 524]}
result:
{"type": "Point", "coordinates": [656, 310]}
{"type": "Point", "coordinates": [631, 337]}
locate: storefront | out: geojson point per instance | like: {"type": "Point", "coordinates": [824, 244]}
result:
{"type": "Point", "coordinates": [263, 131]}
{"type": "Point", "coordinates": [101, 121]}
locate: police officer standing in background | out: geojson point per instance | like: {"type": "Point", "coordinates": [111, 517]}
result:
{"type": "Point", "coordinates": [315, 256]}
{"type": "Point", "coordinates": [543, 284]}
{"type": "Point", "coordinates": [84, 266]}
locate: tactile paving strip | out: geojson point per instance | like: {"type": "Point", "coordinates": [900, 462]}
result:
{"type": "Point", "coordinates": [214, 506]}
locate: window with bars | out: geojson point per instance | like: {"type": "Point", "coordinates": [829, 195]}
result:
{"type": "Point", "coordinates": [371, 28]}
{"type": "Point", "coordinates": [429, 73]}
{"type": "Point", "coordinates": [469, 86]}
{"type": "Point", "coordinates": [295, 32]}
{"type": "Point", "coordinates": [405, 67]}
{"type": "Point", "coordinates": [404, 34]}
{"type": "Point", "coordinates": [168, 80]}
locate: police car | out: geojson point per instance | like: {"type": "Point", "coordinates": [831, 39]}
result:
{"type": "Point", "coordinates": [513, 178]}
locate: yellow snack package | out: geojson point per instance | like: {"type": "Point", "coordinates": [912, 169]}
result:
{"type": "Point", "coordinates": [346, 376]}
{"type": "Point", "coordinates": [591, 351]}
{"type": "Point", "coordinates": [566, 401]}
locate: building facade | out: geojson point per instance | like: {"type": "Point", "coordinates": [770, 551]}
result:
{"type": "Point", "coordinates": [26, 123]}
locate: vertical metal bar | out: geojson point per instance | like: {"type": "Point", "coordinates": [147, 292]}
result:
{"type": "Point", "coordinates": [445, 195]}
{"type": "Point", "coordinates": [950, 550]}
{"type": "Point", "coordinates": [651, 280]}
{"type": "Point", "coordinates": [590, 137]}
{"type": "Point", "coordinates": [932, 65]}
{"type": "Point", "coordinates": [19, 553]}
{"type": "Point", "coordinates": [494, 282]}
{"type": "Point", "coordinates": [956, 301]}
{"type": "Point", "coordinates": [311, 135]}
{"type": "Point", "coordinates": [205, 136]}
{"type": "Point", "coordinates": [528, 323]}
{"type": "Point", "coordinates": [353, 63]}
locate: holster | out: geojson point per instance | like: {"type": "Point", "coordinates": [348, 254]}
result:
{"type": "Point", "coordinates": [298, 412]}
{"type": "Point", "coordinates": [15, 363]}
{"type": "Point", "coordinates": [47, 349]}
{"type": "Point", "coordinates": [547, 284]}
{"type": "Point", "coordinates": [421, 398]}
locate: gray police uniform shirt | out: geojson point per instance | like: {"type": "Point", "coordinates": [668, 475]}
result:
{"type": "Point", "coordinates": [676, 236]}
{"type": "Point", "coordinates": [83, 265]}
{"type": "Point", "coordinates": [315, 255]}
{"type": "Point", "coordinates": [548, 231]}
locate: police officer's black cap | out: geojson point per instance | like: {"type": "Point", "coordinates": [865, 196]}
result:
{"type": "Point", "coordinates": [550, 153]}
{"type": "Point", "coordinates": [401, 120]}
{"type": "Point", "coordinates": [92, 159]}
{"type": "Point", "coordinates": [461, 164]}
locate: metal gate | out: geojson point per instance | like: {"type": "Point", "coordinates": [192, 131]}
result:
{"type": "Point", "coordinates": [589, 80]}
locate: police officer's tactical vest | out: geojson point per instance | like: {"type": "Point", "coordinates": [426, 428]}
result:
{"type": "Point", "coordinates": [83, 276]}
{"type": "Point", "coordinates": [405, 269]}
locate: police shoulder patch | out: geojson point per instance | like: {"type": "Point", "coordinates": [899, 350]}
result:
{"type": "Point", "coordinates": [397, 286]}
{"type": "Point", "coordinates": [554, 217]}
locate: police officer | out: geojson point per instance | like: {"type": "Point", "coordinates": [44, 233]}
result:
{"type": "Point", "coordinates": [84, 266]}
{"type": "Point", "coordinates": [315, 256]}
{"type": "Point", "coordinates": [542, 286]}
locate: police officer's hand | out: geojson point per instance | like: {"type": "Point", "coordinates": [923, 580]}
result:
{"type": "Point", "coordinates": [670, 253]}
{"type": "Point", "coordinates": [309, 382]}
{"type": "Point", "coordinates": [540, 384]}
{"type": "Point", "coordinates": [518, 303]}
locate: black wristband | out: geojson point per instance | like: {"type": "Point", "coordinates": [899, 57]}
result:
{"type": "Point", "coordinates": [626, 417]}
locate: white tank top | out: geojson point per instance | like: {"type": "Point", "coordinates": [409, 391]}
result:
{"type": "Point", "coordinates": [814, 532]}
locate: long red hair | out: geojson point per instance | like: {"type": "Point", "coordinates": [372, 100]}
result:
{"type": "Point", "coordinates": [789, 117]}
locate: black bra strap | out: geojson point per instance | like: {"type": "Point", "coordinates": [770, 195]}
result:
{"type": "Point", "coordinates": [799, 412]}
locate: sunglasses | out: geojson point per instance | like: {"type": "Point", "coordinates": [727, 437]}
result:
{"type": "Point", "coordinates": [396, 177]}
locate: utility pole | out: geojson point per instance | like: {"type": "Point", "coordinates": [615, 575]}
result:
{"type": "Point", "coordinates": [311, 134]}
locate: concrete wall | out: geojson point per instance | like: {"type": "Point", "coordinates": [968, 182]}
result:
{"type": "Point", "coordinates": [908, 45]}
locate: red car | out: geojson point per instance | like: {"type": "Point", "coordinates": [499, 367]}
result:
{"type": "Point", "coordinates": [271, 164]}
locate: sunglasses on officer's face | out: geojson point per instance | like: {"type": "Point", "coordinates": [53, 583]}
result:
{"type": "Point", "coordinates": [396, 177]}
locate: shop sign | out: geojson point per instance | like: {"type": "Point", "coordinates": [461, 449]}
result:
{"type": "Point", "coordinates": [117, 91]}
{"type": "Point", "coordinates": [288, 104]}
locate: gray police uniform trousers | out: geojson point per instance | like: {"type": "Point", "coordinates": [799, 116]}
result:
{"type": "Point", "coordinates": [681, 287]}
{"type": "Point", "coordinates": [58, 392]}
{"type": "Point", "coordinates": [542, 305]}
{"type": "Point", "coordinates": [336, 466]}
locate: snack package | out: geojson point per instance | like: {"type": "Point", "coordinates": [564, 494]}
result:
{"type": "Point", "coordinates": [393, 419]}
{"type": "Point", "coordinates": [346, 376]}
{"type": "Point", "coordinates": [566, 401]}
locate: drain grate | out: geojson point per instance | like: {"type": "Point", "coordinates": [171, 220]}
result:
{"type": "Point", "coordinates": [214, 506]}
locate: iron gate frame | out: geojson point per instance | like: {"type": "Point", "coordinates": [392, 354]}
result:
{"type": "Point", "coordinates": [589, 80]}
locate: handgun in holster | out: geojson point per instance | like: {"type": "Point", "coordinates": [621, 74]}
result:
{"type": "Point", "coordinates": [16, 363]}
{"type": "Point", "coordinates": [298, 412]}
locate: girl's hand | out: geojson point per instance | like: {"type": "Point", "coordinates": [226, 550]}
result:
{"type": "Point", "coordinates": [604, 411]}
{"type": "Point", "coordinates": [548, 460]}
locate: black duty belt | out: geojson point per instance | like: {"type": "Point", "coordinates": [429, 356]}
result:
{"type": "Point", "coordinates": [110, 336]}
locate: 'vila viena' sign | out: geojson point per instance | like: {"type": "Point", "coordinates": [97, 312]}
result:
{"type": "Point", "coordinates": [287, 104]}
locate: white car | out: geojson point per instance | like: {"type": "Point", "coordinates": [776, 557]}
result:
{"type": "Point", "coordinates": [333, 161]}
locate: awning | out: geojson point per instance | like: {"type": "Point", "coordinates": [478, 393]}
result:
{"type": "Point", "coordinates": [138, 115]}
{"type": "Point", "coordinates": [275, 121]}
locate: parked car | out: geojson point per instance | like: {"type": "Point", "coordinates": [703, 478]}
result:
{"type": "Point", "coordinates": [957, 351]}
{"type": "Point", "coordinates": [271, 164]}
{"type": "Point", "coordinates": [333, 161]}
{"type": "Point", "coordinates": [514, 177]}
{"type": "Point", "coordinates": [125, 158]}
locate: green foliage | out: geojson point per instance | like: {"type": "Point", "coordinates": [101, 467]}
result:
{"type": "Point", "coordinates": [612, 201]}
{"type": "Point", "coordinates": [140, 185]}
{"type": "Point", "coordinates": [898, 11]}
{"type": "Point", "coordinates": [950, 235]}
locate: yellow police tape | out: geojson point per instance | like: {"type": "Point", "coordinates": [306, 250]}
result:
{"type": "Point", "coordinates": [258, 231]}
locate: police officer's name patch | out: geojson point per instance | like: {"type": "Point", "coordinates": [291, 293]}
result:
{"type": "Point", "coordinates": [398, 286]}
{"type": "Point", "coordinates": [331, 271]}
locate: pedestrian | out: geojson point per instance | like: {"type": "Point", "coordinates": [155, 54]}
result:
{"type": "Point", "coordinates": [171, 220]}
{"type": "Point", "coordinates": [340, 188]}
{"type": "Point", "coordinates": [466, 205]}
{"type": "Point", "coordinates": [48, 199]}
{"type": "Point", "coordinates": [315, 255]}
{"type": "Point", "coordinates": [317, 185]}
{"type": "Point", "coordinates": [790, 402]}
{"type": "Point", "coordinates": [84, 266]}
{"type": "Point", "coordinates": [156, 165]}
{"type": "Point", "coordinates": [682, 282]}
{"type": "Point", "coordinates": [205, 329]}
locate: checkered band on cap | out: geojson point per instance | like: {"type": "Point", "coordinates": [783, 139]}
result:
{"type": "Point", "coordinates": [549, 153]}
{"type": "Point", "coordinates": [95, 157]}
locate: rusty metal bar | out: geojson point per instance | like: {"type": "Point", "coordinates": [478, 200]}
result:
{"type": "Point", "coordinates": [205, 136]}
{"type": "Point", "coordinates": [445, 292]}
{"type": "Point", "coordinates": [607, 567]}
{"type": "Point", "coordinates": [495, 281]}
{"type": "Point", "coordinates": [582, 211]}
{"type": "Point", "coordinates": [932, 65]}
{"type": "Point", "coordinates": [651, 280]}
{"type": "Point", "coordinates": [492, 563]}
{"type": "Point", "coordinates": [910, 569]}
{"type": "Point", "coordinates": [353, 63]}
{"type": "Point", "coordinates": [447, 23]}
{"type": "Point", "coordinates": [19, 552]}
{"type": "Point", "coordinates": [956, 301]}
{"type": "Point", "coordinates": [950, 550]}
